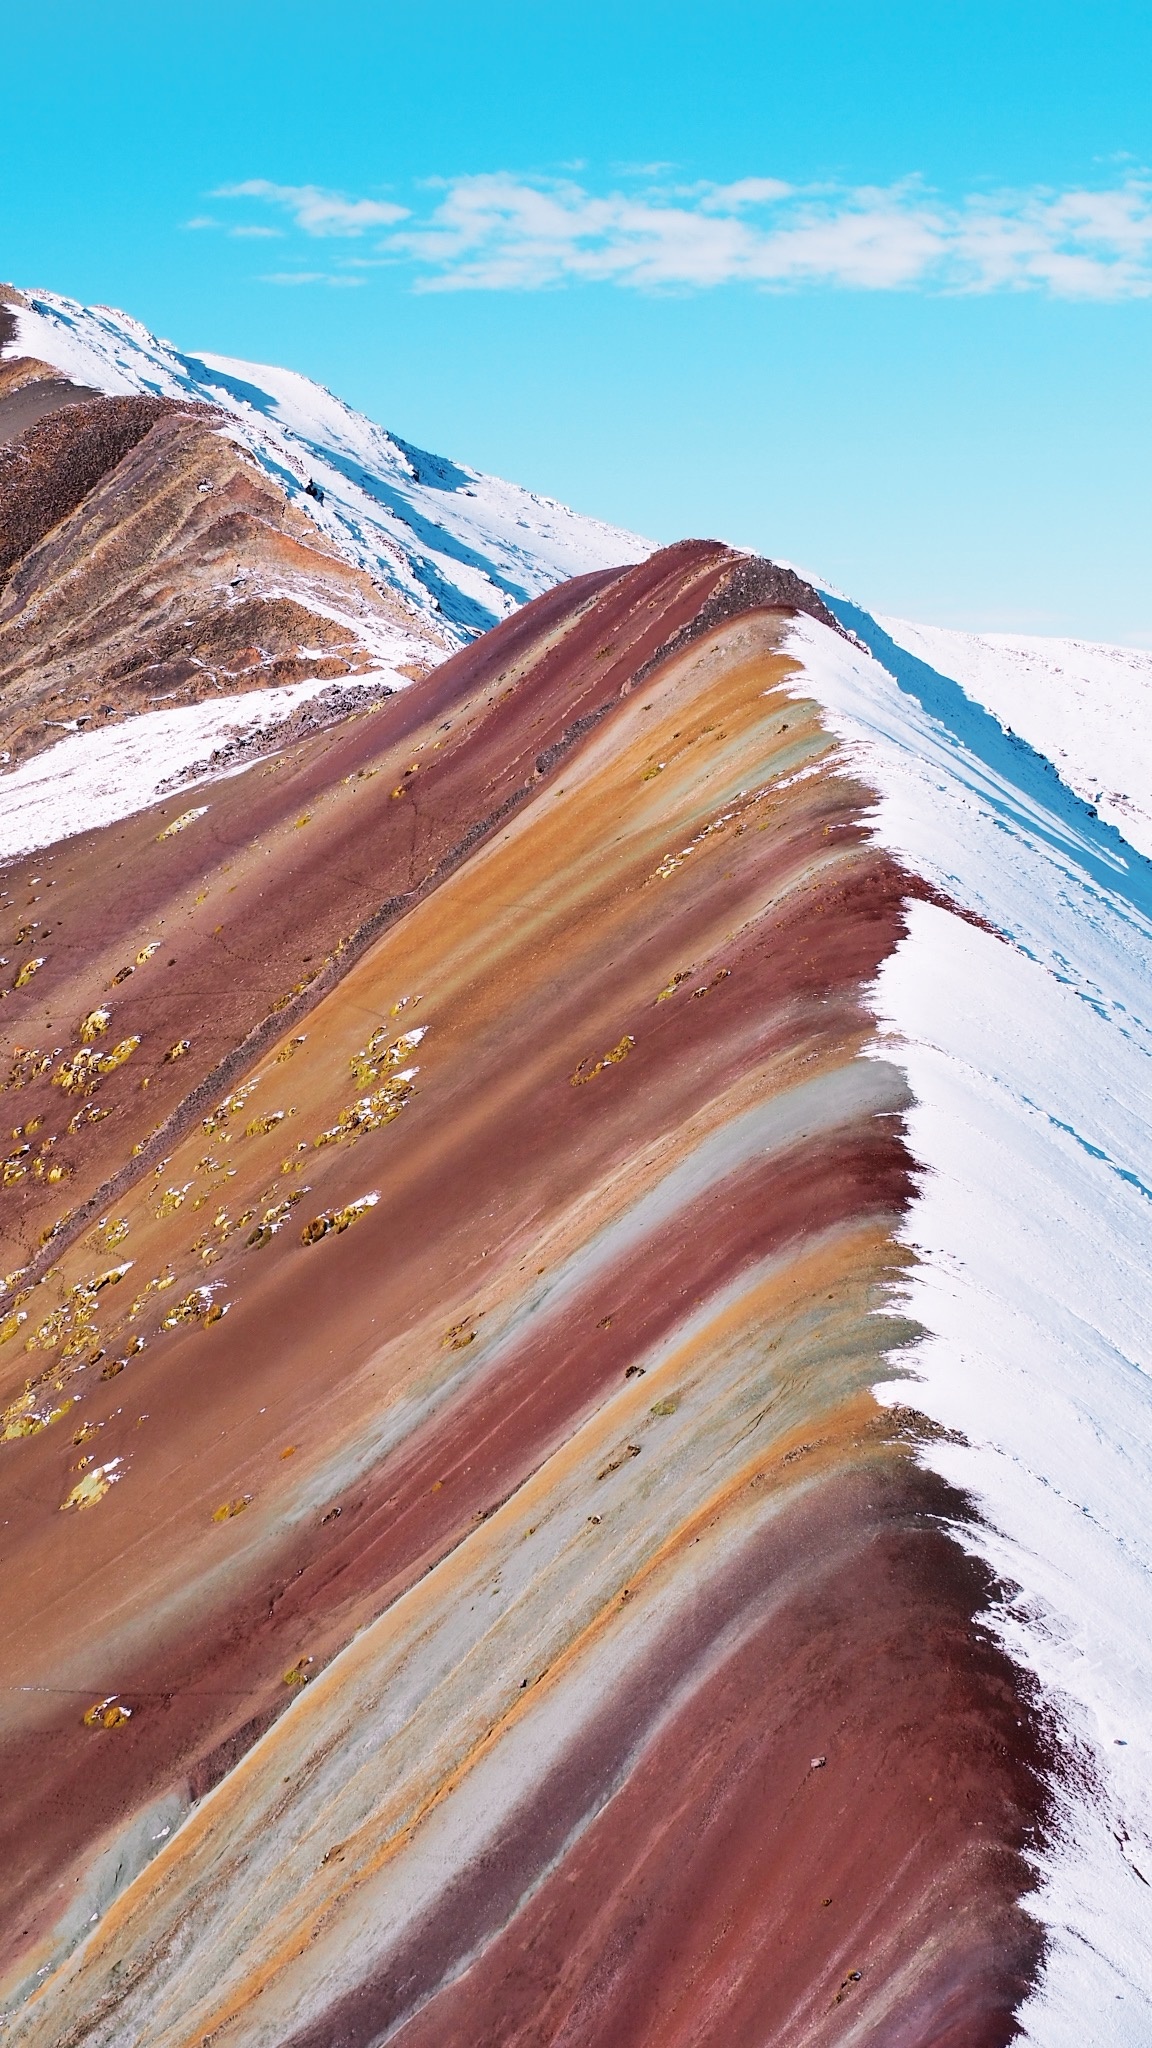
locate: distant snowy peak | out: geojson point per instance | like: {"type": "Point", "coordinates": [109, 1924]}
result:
{"type": "Point", "coordinates": [1084, 706]}
{"type": "Point", "coordinates": [463, 549]}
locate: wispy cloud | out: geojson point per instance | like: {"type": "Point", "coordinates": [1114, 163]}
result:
{"type": "Point", "coordinates": [499, 231]}
{"type": "Point", "coordinates": [316, 211]}
{"type": "Point", "coordinates": [338, 278]}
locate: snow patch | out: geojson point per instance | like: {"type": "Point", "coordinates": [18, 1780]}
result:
{"type": "Point", "coordinates": [97, 778]}
{"type": "Point", "coordinates": [1030, 1058]}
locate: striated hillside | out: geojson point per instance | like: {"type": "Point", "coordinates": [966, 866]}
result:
{"type": "Point", "coordinates": [472, 1330]}
{"type": "Point", "coordinates": [174, 533]}
{"type": "Point", "coordinates": [179, 575]}
{"type": "Point", "coordinates": [574, 1417]}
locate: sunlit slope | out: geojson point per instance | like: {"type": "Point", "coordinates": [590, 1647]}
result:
{"type": "Point", "coordinates": [461, 1584]}
{"type": "Point", "coordinates": [147, 564]}
{"type": "Point", "coordinates": [1086, 705]}
{"type": "Point", "coordinates": [460, 549]}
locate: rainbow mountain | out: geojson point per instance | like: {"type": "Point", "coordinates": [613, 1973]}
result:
{"type": "Point", "coordinates": [573, 1364]}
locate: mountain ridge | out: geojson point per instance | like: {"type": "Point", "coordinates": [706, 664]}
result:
{"type": "Point", "coordinates": [574, 1378]}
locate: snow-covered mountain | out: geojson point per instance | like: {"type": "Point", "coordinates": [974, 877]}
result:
{"type": "Point", "coordinates": [464, 549]}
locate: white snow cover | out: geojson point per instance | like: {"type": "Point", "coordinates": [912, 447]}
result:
{"type": "Point", "coordinates": [96, 778]}
{"type": "Point", "coordinates": [464, 548]}
{"type": "Point", "coordinates": [1087, 705]}
{"type": "Point", "coordinates": [1030, 1056]}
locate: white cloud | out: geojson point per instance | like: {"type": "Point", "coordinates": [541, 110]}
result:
{"type": "Point", "coordinates": [745, 192]}
{"type": "Point", "coordinates": [500, 231]}
{"type": "Point", "coordinates": [309, 277]}
{"type": "Point", "coordinates": [316, 211]}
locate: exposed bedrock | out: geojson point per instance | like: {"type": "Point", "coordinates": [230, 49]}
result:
{"type": "Point", "coordinates": [462, 1587]}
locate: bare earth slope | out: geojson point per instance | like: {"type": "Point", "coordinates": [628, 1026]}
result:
{"type": "Point", "coordinates": [179, 573]}
{"type": "Point", "coordinates": [175, 531]}
{"type": "Point", "coordinates": [461, 1586]}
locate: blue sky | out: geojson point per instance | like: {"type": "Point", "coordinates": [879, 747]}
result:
{"type": "Point", "coordinates": [865, 286]}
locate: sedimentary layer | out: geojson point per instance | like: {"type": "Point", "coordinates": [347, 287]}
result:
{"type": "Point", "coordinates": [461, 1586]}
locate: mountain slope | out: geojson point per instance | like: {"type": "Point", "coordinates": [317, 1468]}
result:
{"type": "Point", "coordinates": [574, 1368]}
{"type": "Point", "coordinates": [1028, 1052]}
{"type": "Point", "coordinates": [461, 548]}
{"type": "Point", "coordinates": [178, 539]}
{"type": "Point", "coordinates": [154, 565]}
{"type": "Point", "coordinates": [1085, 705]}
{"type": "Point", "coordinates": [511, 1291]}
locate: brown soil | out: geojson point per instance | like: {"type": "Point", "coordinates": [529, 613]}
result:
{"type": "Point", "coordinates": [23, 403]}
{"type": "Point", "coordinates": [728, 1894]}
{"type": "Point", "coordinates": [59, 460]}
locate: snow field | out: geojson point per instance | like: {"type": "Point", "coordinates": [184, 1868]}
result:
{"type": "Point", "coordinates": [1087, 706]}
{"type": "Point", "coordinates": [97, 778]}
{"type": "Point", "coordinates": [1030, 1058]}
